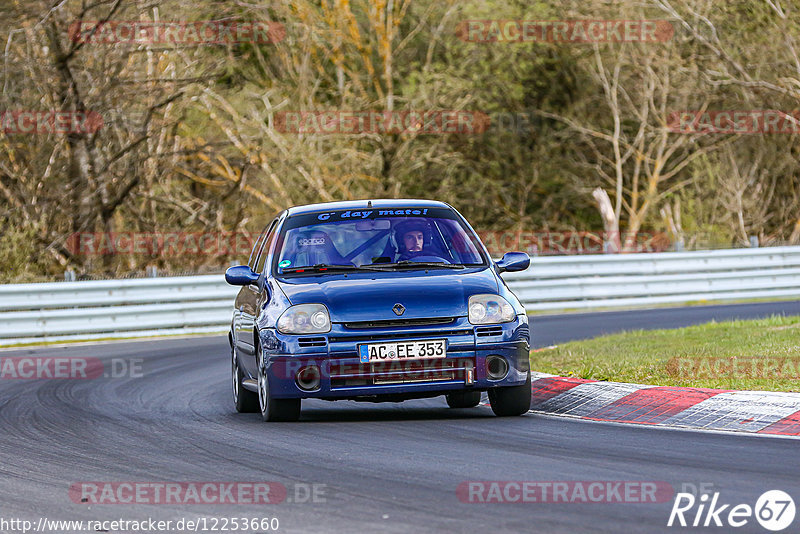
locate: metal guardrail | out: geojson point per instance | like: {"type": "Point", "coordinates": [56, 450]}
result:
{"type": "Point", "coordinates": [629, 280]}
{"type": "Point", "coordinates": [114, 308]}
{"type": "Point", "coordinates": [199, 304]}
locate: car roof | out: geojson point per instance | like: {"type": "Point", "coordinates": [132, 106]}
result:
{"type": "Point", "coordinates": [381, 203]}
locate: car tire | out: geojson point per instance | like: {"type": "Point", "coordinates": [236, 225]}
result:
{"type": "Point", "coordinates": [513, 400]}
{"type": "Point", "coordinates": [245, 400]}
{"type": "Point", "coordinates": [463, 399]}
{"type": "Point", "coordinates": [275, 409]}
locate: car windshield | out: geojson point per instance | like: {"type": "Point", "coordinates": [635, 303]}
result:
{"type": "Point", "coordinates": [376, 239]}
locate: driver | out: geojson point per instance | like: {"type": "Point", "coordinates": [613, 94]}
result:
{"type": "Point", "coordinates": [412, 238]}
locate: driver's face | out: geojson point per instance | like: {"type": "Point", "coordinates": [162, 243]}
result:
{"type": "Point", "coordinates": [413, 240]}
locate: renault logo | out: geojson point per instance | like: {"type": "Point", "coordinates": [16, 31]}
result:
{"type": "Point", "coordinates": [398, 309]}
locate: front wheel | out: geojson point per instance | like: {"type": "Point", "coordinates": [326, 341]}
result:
{"type": "Point", "coordinates": [513, 400]}
{"type": "Point", "coordinates": [275, 409]}
{"type": "Point", "coordinates": [463, 399]}
{"type": "Point", "coordinates": [245, 401]}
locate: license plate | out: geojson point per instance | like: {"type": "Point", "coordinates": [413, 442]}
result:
{"type": "Point", "coordinates": [402, 350]}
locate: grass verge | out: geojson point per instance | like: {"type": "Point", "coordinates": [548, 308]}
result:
{"type": "Point", "coordinates": [761, 354]}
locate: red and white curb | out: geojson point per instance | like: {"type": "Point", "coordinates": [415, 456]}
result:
{"type": "Point", "coordinates": [762, 412]}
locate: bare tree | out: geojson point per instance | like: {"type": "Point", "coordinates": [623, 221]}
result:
{"type": "Point", "coordinates": [627, 138]}
{"type": "Point", "coordinates": [80, 180]}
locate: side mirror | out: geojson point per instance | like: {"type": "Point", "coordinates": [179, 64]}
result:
{"type": "Point", "coordinates": [240, 275]}
{"type": "Point", "coordinates": [513, 261]}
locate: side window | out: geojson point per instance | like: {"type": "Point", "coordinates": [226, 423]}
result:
{"type": "Point", "coordinates": [262, 257]}
{"type": "Point", "coordinates": [256, 249]}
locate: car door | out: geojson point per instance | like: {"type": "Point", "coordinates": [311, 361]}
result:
{"type": "Point", "coordinates": [248, 303]}
{"type": "Point", "coordinates": [241, 297]}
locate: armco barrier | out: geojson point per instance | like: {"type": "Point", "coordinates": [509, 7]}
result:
{"type": "Point", "coordinates": [622, 280]}
{"type": "Point", "coordinates": [201, 304]}
{"type": "Point", "coordinates": [114, 308]}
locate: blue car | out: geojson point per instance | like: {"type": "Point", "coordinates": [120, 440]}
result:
{"type": "Point", "coordinates": [379, 300]}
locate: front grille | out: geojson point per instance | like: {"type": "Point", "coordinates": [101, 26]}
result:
{"type": "Point", "coordinates": [486, 331]}
{"type": "Point", "coordinates": [400, 335]}
{"type": "Point", "coordinates": [399, 323]}
{"type": "Point", "coordinates": [400, 372]}
{"type": "Point", "coordinates": [312, 341]}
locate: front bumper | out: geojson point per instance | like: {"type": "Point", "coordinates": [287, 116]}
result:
{"type": "Point", "coordinates": [342, 376]}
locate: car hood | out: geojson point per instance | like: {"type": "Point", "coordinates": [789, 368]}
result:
{"type": "Point", "coordinates": [367, 297]}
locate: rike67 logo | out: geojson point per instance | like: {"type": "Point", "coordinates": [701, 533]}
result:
{"type": "Point", "coordinates": [774, 510]}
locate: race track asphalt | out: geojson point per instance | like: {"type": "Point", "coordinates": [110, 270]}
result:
{"type": "Point", "coordinates": [382, 467]}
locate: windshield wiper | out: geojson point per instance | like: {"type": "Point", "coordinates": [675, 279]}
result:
{"type": "Point", "coordinates": [423, 264]}
{"type": "Point", "coordinates": [325, 267]}
{"type": "Point", "coordinates": [403, 264]}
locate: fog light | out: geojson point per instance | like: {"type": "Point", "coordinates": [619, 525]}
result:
{"type": "Point", "coordinates": [308, 378]}
{"type": "Point", "coordinates": [496, 367]}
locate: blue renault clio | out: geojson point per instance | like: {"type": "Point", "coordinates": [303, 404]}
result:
{"type": "Point", "coordinates": [376, 300]}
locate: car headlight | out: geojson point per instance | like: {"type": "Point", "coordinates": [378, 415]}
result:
{"type": "Point", "coordinates": [490, 309]}
{"type": "Point", "coordinates": [305, 319]}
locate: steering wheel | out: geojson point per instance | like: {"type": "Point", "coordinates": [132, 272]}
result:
{"type": "Point", "coordinates": [429, 258]}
